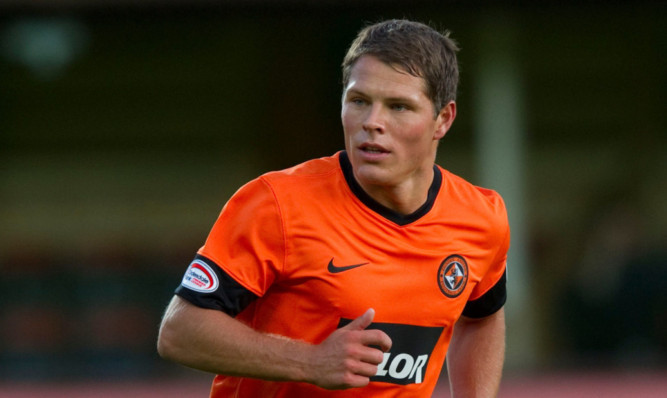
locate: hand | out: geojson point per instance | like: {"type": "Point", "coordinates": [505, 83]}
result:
{"type": "Point", "coordinates": [349, 357]}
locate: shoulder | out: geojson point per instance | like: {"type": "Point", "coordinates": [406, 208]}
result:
{"type": "Point", "coordinates": [311, 167]}
{"type": "Point", "coordinates": [293, 177]}
{"type": "Point", "coordinates": [314, 178]}
{"type": "Point", "coordinates": [475, 199]}
{"type": "Point", "coordinates": [308, 175]}
{"type": "Point", "coordinates": [461, 187]}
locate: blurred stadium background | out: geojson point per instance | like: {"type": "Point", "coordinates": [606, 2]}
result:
{"type": "Point", "coordinates": [125, 126]}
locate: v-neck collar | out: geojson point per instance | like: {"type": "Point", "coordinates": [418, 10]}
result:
{"type": "Point", "coordinates": [389, 214]}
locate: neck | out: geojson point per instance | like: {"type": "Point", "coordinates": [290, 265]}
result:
{"type": "Point", "coordinates": [405, 198]}
{"type": "Point", "coordinates": [400, 204]}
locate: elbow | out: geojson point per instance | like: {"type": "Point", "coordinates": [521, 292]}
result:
{"type": "Point", "coordinates": [166, 344]}
{"type": "Point", "coordinates": [169, 333]}
{"type": "Point", "coordinates": [162, 346]}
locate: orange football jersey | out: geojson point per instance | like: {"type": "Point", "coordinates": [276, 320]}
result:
{"type": "Point", "coordinates": [301, 252]}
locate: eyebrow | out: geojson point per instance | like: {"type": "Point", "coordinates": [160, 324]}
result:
{"type": "Point", "coordinates": [389, 99]}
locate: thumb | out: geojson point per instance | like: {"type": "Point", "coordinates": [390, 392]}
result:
{"type": "Point", "coordinates": [362, 321]}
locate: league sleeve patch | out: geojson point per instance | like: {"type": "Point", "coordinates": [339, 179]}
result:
{"type": "Point", "coordinates": [200, 277]}
{"type": "Point", "coordinates": [207, 285]}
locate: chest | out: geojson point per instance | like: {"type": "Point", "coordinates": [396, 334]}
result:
{"type": "Point", "coordinates": [422, 274]}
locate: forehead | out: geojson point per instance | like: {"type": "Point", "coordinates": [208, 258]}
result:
{"type": "Point", "coordinates": [371, 74]}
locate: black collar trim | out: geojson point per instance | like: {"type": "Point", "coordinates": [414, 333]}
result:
{"type": "Point", "coordinates": [386, 212]}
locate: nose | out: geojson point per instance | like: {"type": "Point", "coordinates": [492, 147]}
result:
{"type": "Point", "coordinates": [374, 121]}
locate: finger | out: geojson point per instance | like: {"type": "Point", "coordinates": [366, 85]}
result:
{"type": "Point", "coordinates": [354, 380]}
{"type": "Point", "coordinates": [365, 369]}
{"type": "Point", "coordinates": [362, 321]}
{"type": "Point", "coordinates": [376, 339]}
{"type": "Point", "coordinates": [370, 355]}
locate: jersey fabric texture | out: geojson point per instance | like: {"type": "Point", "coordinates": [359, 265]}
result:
{"type": "Point", "coordinates": [301, 252]}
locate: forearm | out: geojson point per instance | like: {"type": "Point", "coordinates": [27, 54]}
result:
{"type": "Point", "coordinates": [214, 342]}
{"type": "Point", "coordinates": [476, 355]}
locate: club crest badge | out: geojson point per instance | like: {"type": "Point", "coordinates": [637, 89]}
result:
{"type": "Point", "coordinates": [453, 275]}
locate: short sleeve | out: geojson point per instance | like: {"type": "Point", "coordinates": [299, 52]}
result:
{"type": "Point", "coordinates": [247, 239]}
{"type": "Point", "coordinates": [490, 294]}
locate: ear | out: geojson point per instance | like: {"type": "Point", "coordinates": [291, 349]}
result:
{"type": "Point", "coordinates": [445, 120]}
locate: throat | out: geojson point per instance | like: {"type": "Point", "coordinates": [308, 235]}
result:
{"type": "Point", "coordinates": [402, 200]}
{"type": "Point", "coordinates": [399, 203]}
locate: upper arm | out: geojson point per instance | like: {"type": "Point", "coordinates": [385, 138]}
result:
{"type": "Point", "coordinates": [185, 325]}
{"type": "Point", "coordinates": [496, 319]}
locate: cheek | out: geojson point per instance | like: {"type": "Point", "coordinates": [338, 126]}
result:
{"type": "Point", "coordinates": [416, 141]}
{"type": "Point", "coordinates": [415, 133]}
{"type": "Point", "coordinates": [347, 119]}
{"type": "Point", "coordinates": [352, 126]}
{"type": "Point", "coordinates": [348, 130]}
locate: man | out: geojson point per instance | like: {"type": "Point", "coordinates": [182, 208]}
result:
{"type": "Point", "coordinates": [349, 276]}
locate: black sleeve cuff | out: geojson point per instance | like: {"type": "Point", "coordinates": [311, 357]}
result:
{"type": "Point", "coordinates": [228, 296]}
{"type": "Point", "coordinates": [490, 302]}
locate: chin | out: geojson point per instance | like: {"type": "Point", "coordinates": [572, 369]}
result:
{"type": "Point", "coordinates": [372, 175]}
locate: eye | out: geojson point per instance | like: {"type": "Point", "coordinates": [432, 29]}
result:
{"type": "Point", "coordinates": [399, 107]}
{"type": "Point", "coordinates": [358, 101]}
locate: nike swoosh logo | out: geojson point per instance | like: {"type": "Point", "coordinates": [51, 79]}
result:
{"type": "Point", "coordinates": [334, 270]}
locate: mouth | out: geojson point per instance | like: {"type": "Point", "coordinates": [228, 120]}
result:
{"type": "Point", "coordinates": [372, 148]}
